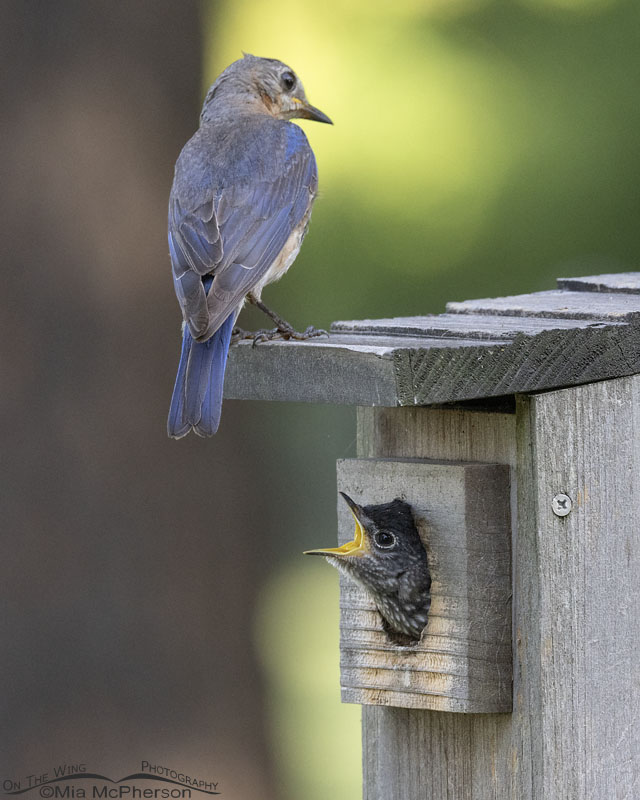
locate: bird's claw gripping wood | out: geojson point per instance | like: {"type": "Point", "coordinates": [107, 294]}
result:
{"type": "Point", "coordinates": [287, 333]}
{"type": "Point", "coordinates": [283, 329]}
{"type": "Point", "coordinates": [238, 334]}
{"type": "Point", "coordinates": [264, 335]}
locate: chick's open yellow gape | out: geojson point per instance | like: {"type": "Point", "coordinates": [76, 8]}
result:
{"type": "Point", "coordinates": [356, 547]}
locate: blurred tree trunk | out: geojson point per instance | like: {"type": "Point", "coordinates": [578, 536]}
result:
{"type": "Point", "coordinates": [129, 576]}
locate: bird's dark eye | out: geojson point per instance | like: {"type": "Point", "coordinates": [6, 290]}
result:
{"type": "Point", "coordinates": [288, 81]}
{"type": "Point", "coordinates": [384, 540]}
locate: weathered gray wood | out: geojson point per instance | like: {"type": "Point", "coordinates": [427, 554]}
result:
{"type": "Point", "coordinates": [581, 694]}
{"type": "Point", "coordinates": [483, 348]}
{"type": "Point", "coordinates": [345, 371]}
{"type": "Point", "coordinates": [453, 435]}
{"type": "Point", "coordinates": [460, 326]}
{"type": "Point", "coordinates": [574, 732]}
{"type": "Point", "coordinates": [545, 361]}
{"type": "Point", "coordinates": [463, 661]}
{"type": "Point", "coordinates": [386, 370]}
{"type": "Point", "coordinates": [612, 306]}
{"type": "Point", "coordinates": [620, 282]}
{"type": "Point", "coordinates": [432, 755]}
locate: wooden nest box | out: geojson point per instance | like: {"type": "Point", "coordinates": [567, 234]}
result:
{"type": "Point", "coordinates": [512, 427]}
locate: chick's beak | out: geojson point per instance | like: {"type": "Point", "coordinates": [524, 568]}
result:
{"type": "Point", "coordinates": [307, 111]}
{"type": "Point", "coordinates": [357, 547]}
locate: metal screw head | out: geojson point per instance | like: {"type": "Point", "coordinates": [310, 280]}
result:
{"type": "Point", "coordinates": [561, 504]}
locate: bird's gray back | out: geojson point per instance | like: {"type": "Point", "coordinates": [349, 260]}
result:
{"type": "Point", "coordinates": [227, 152]}
{"type": "Point", "coordinates": [242, 184]}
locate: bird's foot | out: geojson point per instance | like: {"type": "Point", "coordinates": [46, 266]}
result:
{"type": "Point", "coordinates": [287, 332]}
{"type": "Point", "coordinates": [238, 334]}
{"type": "Point", "coordinates": [283, 329]}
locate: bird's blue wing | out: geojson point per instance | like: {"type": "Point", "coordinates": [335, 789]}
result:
{"type": "Point", "coordinates": [238, 231]}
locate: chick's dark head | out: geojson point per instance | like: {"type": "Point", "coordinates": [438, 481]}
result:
{"type": "Point", "coordinates": [388, 559]}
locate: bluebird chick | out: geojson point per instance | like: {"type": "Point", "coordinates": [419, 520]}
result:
{"type": "Point", "coordinates": [239, 209]}
{"type": "Point", "coordinates": [388, 559]}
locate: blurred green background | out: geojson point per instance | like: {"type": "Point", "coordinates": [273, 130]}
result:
{"type": "Point", "coordinates": [479, 147]}
{"type": "Point", "coordinates": [157, 604]}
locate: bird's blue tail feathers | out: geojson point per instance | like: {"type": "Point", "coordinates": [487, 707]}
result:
{"type": "Point", "coordinates": [197, 395]}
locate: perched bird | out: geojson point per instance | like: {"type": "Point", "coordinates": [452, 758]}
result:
{"type": "Point", "coordinates": [388, 559]}
{"type": "Point", "coordinates": [239, 209]}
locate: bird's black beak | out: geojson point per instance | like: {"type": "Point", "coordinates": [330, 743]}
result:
{"type": "Point", "coordinates": [357, 547]}
{"type": "Point", "coordinates": [355, 508]}
{"type": "Point", "coordinates": [307, 111]}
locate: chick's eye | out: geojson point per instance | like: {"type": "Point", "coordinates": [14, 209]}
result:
{"type": "Point", "coordinates": [384, 540]}
{"type": "Point", "coordinates": [288, 81]}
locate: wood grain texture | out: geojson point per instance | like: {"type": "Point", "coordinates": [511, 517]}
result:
{"type": "Point", "coordinates": [544, 361]}
{"type": "Point", "coordinates": [481, 349]}
{"type": "Point", "coordinates": [345, 372]}
{"type": "Point", "coordinates": [451, 434]}
{"type": "Point", "coordinates": [616, 282]}
{"type": "Point", "coordinates": [574, 732]}
{"type": "Point", "coordinates": [463, 661]}
{"type": "Point", "coordinates": [390, 369]}
{"type": "Point", "coordinates": [431, 755]}
{"type": "Point", "coordinates": [582, 695]}
{"type": "Point", "coordinates": [458, 326]}
{"type": "Point", "coordinates": [556, 303]}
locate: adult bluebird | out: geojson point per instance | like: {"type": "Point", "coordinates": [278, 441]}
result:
{"type": "Point", "coordinates": [239, 209]}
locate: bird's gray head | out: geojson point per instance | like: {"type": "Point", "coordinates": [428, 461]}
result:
{"type": "Point", "coordinates": [259, 85]}
{"type": "Point", "coordinates": [388, 559]}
